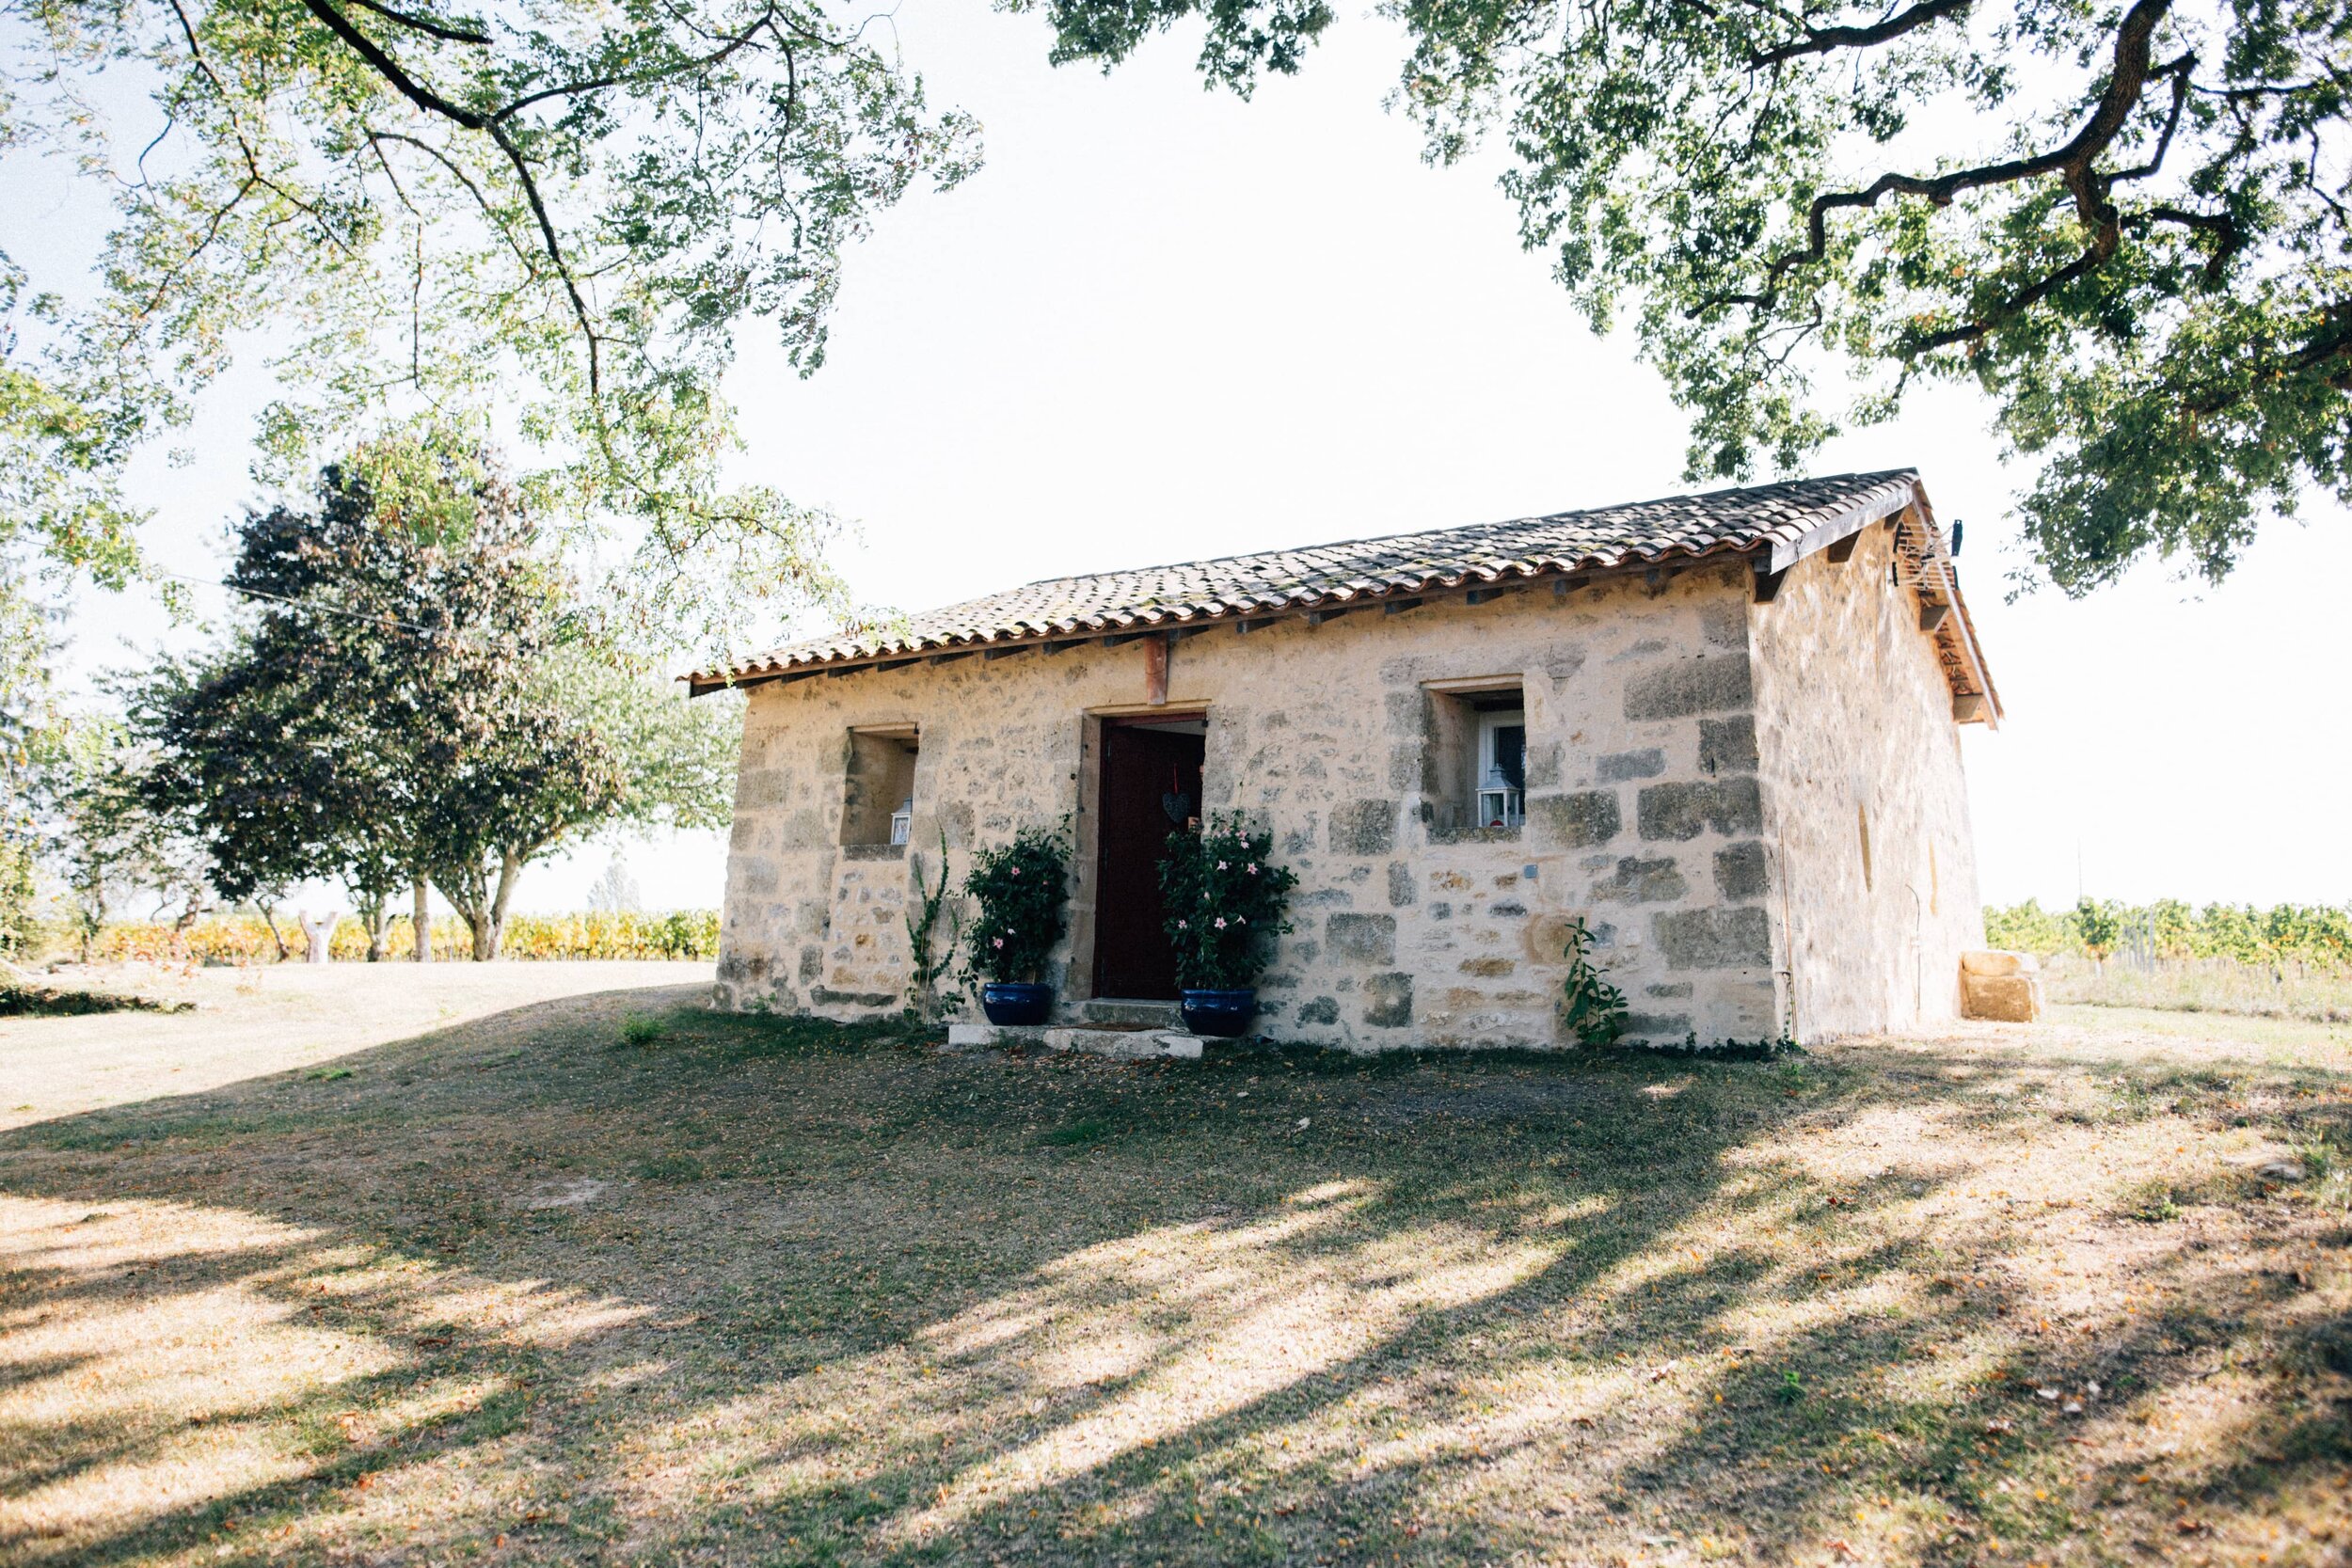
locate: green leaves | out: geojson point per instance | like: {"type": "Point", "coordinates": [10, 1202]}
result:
{"type": "Point", "coordinates": [556, 215]}
{"type": "Point", "coordinates": [1224, 899]}
{"type": "Point", "coordinates": [1022, 890]}
{"type": "Point", "coordinates": [2129, 224]}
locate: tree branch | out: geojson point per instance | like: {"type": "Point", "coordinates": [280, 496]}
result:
{"type": "Point", "coordinates": [424, 24]}
{"type": "Point", "coordinates": [1823, 40]}
{"type": "Point", "coordinates": [2134, 40]}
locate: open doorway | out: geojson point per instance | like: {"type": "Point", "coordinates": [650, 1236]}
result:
{"type": "Point", "coordinates": [1150, 788]}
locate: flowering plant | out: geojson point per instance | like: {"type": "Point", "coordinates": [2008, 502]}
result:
{"type": "Point", "coordinates": [1224, 901]}
{"type": "Point", "coordinates": [1020, 888]}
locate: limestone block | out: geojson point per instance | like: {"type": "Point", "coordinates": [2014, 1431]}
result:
{"type": "Point", "coordinates": [1998, 963]}
{"type": "Point", "coordinates": [971, 1036]}
{"type": "Point", "coordinates": [2001, 998]}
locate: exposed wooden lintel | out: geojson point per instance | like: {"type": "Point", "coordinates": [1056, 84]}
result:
{"type": "Point", "coordinates": [1842, 551]}
{"type": "Point", "coordinates": [1398, 607]}
{"type": "Point", "coordinates": [950, 658]}
{"type": "Point", "coordinates": [1768, 581]}
{"type": "Point", "coordinates": [1329, 612]}
{"type": "Point", "coordinates": [1931, 614]}
{"type": "Point", "coordinates": [1115, 639]}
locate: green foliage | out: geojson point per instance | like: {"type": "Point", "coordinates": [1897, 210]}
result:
{"type": "Point", "coordinates": [559, 214]}
{"type": "Point", "coordinates": [1596, 1010]}
{"type": "Point", "coordinates": [2097, 926]}
{"type": "Point", "coordinates": [2318, 935]}
{"type": "Point", "coordinates": [641, 1031]}
{"type": "Point", "coordinates": [2123, 223]}
{"type": "Point", "coordinates": [410, 697]}
{"type": "Point", "coordinates": [1223, 898]}
{"type": "Point", "coordinates": [1022, 890]}
{"type": "Point", "coordinates": [931, 961]}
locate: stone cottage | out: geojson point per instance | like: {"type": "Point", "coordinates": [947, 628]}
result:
{"type": "Point", "coordinates": [1722, 729]}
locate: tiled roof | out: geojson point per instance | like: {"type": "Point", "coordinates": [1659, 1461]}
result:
{"type": "Point", "coordinates": [1777, 523]}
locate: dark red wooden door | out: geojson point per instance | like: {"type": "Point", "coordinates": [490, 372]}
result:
{"type": "Point", "coordinates": [1148, 774]}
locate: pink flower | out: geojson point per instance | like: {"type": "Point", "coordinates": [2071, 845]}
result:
{"type": "Point", "coordinates": [1013, 869]}
{"type": "Point", "coordinates": [1221, 922]}
{"type": "Point", "coordinates": [1221, 866]}
{"type": "Point", "coordinates": [1183, 925]}
{"type": "Point", "coordinates": [1252, 868]}
{"type": "Point", "coordinates": [1000, 941]}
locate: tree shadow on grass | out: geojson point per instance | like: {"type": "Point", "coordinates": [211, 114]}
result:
{"type": "Point", "coordinates": [764, 1293]}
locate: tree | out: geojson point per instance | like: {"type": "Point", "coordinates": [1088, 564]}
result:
{"type": "Point", "coordinates": [562, 214]}
{"type": "Point", "coordinates": [410, 697]}
{"type": "Point", "coordinates": [2125, 221]}
{"type": "Point", "coordinates": [61, 516]}
{"type": "Point", "coordinates": [114, 839]}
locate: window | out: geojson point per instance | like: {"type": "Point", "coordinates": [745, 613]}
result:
{"type": "Point", "coordinates": [878, 803]}
{"type": "Point", "coordinates": [1500, 796]}
{"type": "Point", "coordinates": [1474, 757]}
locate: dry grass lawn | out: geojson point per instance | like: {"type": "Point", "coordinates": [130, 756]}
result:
{"type": "Point", "coordinates": [390, 1266]}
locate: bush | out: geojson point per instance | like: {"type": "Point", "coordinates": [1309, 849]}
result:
{"type": "Point", "coordinates": [1224, 900]}
{"type": "Point", "coordinates": [1022, 889]}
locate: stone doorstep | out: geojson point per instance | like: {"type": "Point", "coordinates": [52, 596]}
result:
{"type": "Point", "coordinates": [1129, 1044]}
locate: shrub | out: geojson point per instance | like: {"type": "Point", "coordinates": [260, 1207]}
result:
{"type": "Point", "coordinates": [1596, 1010]}
{"type": "Point", "coordinates": [1224, 899]}
{"type": "Point", "coordinates": [1022, 889]}
{"type": "Point", "coordinates": [641, 1031]}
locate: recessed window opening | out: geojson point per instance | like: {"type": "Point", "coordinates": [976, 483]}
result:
{"type": "Point", "coordinates": [877, 800]}
{"type": "Point", "coordinates": [1474, 770]}
{"type": "Point", "coordinates": [1501, 795]}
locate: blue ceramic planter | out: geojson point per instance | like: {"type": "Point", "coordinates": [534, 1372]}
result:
{"type": "Point", "coordinates": [1016, 1002]}
{"type": "Point", "coordinates": [1220, 1014]}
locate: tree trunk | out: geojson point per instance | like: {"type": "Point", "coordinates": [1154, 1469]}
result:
{"type": "Point", "coordinates": [375, 913]}
{"type": "Point", "coordinates": [467, 893]}
{"type": "Point", "coordinates": [316, 935]}
{"type": "Point", "coordinates": [423, 918]}
{"type": "Point", "coordinates": [510, 872]}
{"type": "Point", "coordinates": [269, 918]}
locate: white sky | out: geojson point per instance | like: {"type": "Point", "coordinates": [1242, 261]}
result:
{"type": "Point", "coordinates": [1163, 324]}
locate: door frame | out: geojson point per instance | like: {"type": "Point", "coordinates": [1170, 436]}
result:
{"type": "Point", "coordinates": [1086, 847]}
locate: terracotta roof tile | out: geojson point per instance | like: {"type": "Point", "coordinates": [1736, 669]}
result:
{"type": "Point", "coordinates": [1742, 521]}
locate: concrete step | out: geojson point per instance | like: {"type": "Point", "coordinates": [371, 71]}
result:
{"type": "Point", "coordinates": [1114, 1010]}
{"type": "Point", "coordinates": [1129, 1044]}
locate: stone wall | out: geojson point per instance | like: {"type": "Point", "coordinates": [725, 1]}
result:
{"type": "Point", "coordinates": [1867, 807]}
{"type": "Point", "coordinates": [1647, 813]}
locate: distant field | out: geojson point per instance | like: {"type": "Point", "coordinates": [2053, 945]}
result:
{"type": "Point", "coordinates": [2203, 985]}
{"type": "Point", "coordinates": [396, 1266]}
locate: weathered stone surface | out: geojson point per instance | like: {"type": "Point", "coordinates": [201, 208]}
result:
{"type": "Point", "coordinates": [1657, 1028]}
{"type": "Point", "coordinates": [1365, 939]}
{"type": "Point", "coordinates": [1740, 871]}
{"type": "Point", "coordinates": [1727, 745]}
{"type": "Point", "coordinates": [1325, 737]}
{"type": "Point", "coordinates": [1689, 686]}
{"type": "Point", "coordinates": [1641, 881]}
{"type": "Point", "coordinates": [1618, 767]}
{"type": "Point", "coordinates": [2002, 998]}
{"type": "Point", "coordinates": [1668, 992]}
{"type": "Point", "coordinates": [1576, 821]}
{"type": "Point", "coordinates": [1714, 938]}
{"type": "Point", "coordinates": [1675, 811]}
{"type": "Point", "coordinates": [1389, 1001]}
{"type": "Point", "coordinates": [1363, 828]}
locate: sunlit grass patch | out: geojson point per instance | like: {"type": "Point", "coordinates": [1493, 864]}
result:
{"type": "Point", "coordinates": [781, 1293]}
